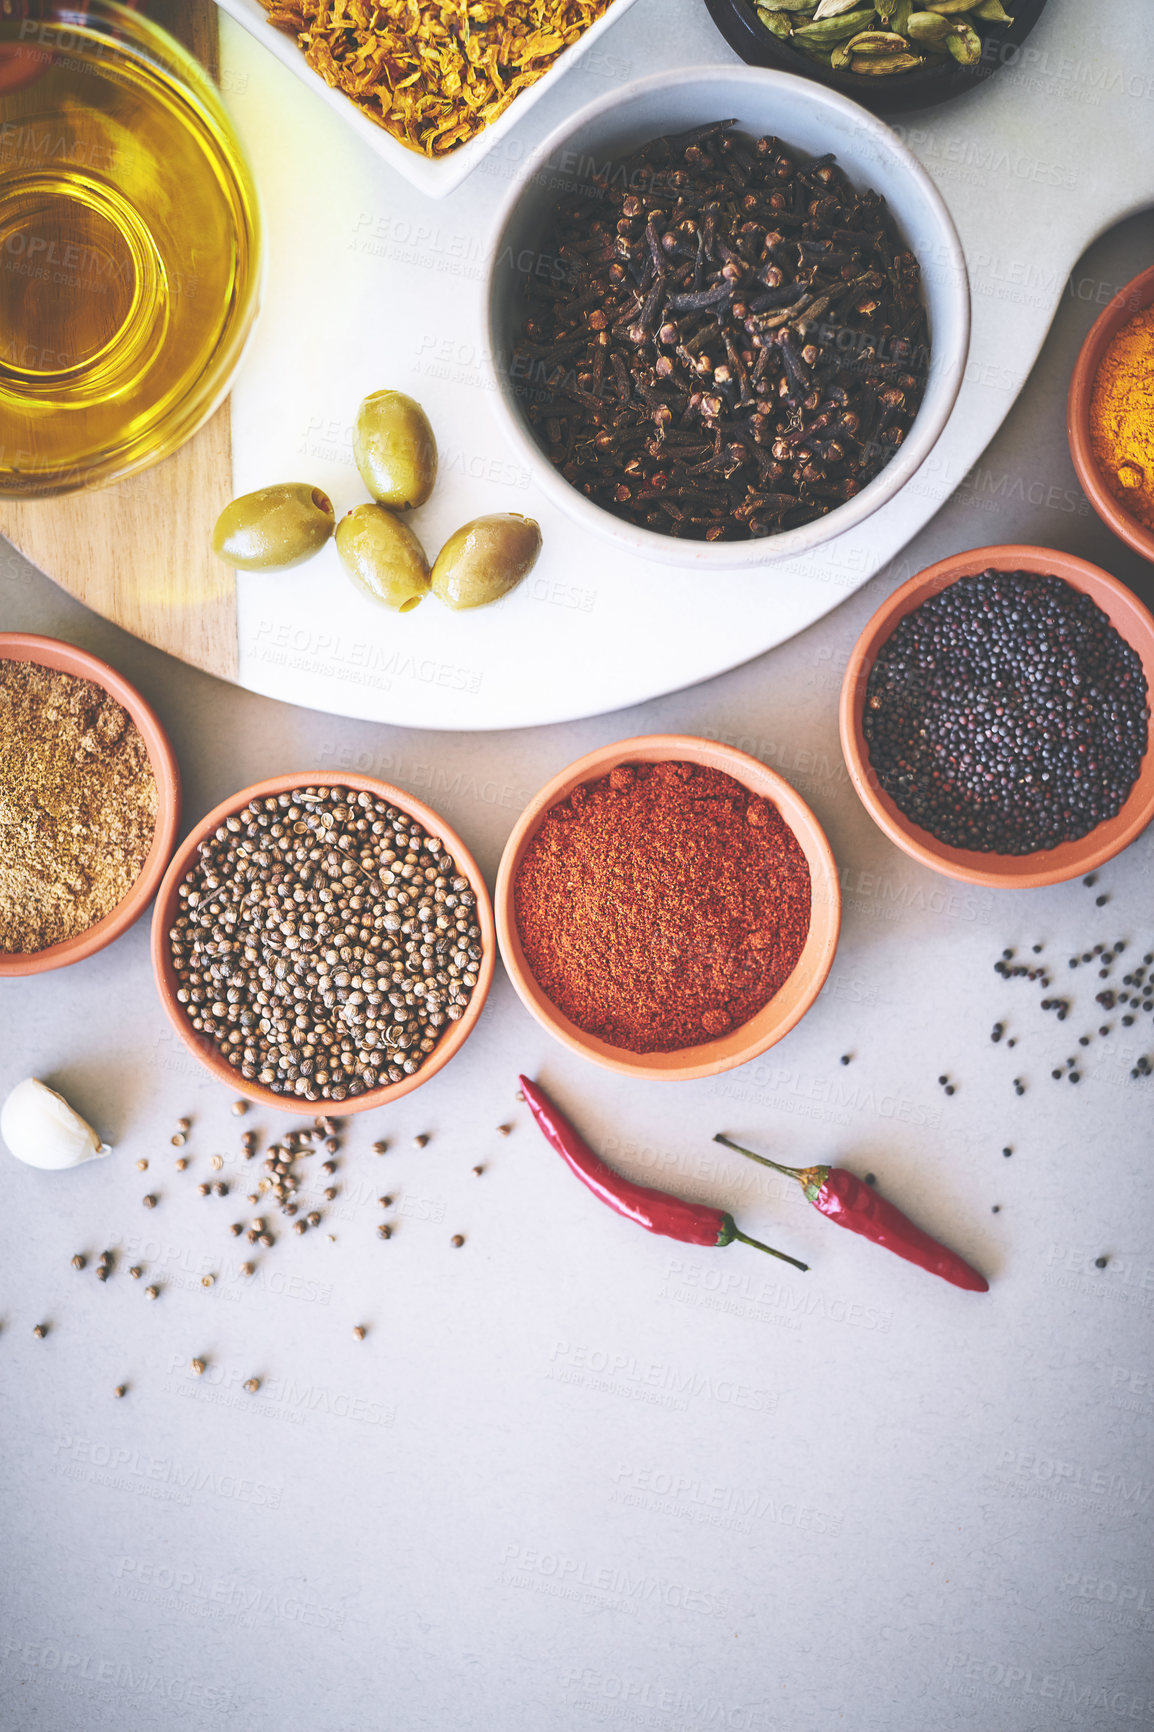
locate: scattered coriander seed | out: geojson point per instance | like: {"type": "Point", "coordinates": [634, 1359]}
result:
{"type": "Point", "coordinates": [300, 1226]}
{"type": "Point", "coordinates": [184, 1124]}
{"type": "Point", "coordinates": [420, 1139]}
{"type": "Point", "coordinates": [289, 1209]}
{"type": "Point", "coordinates": [384, 1232]}
{"type": "Point", "coordinates": [359, 1332]}
{"type": "Point", "coordinates": [380, 1148]}
{"type": "Point", "coordinates": [248, 1269]}
{"type": "Point", "coordinates": [181, 1164]}
{"type": "Point", "coordinates": [385, 1202]}
{"type": "Point", "coordinates": [178, 1140]}
{"type": "Point", "coordinates": [313, 1218]}
{"type": "Point", "coordinates": [478, 1171]}
{"type": "Point", "coordinates": [520, 1095]}
{"type": "Point", "coordinates": [120, 1391]}
{"type": "Point", "coordinates": [1101, 1262]}
{"type": "Point", "coordinates": [503, 1130]}
{"type": "Point", "coordinates": [40, 1331]}
{"type": "Point", "coordinates": [239, 1108]}
{"type": "Point", "coordinates": [257, 1225]}
{"type": "Point", "coordinates": [203, 1190]}
{"type": "Point", "coordinates": [196, 1366]}
{"type": "Point", "coordinates": [457, 1240]}
{"type": "Point", "coordinates": [252, 1384]}
{"type": "Point", "coordinates": [79, 1261]}
{"type": "Point", "coordinates": [216, 1163]}
{"type": "Point", "coordinates": [328, 1166]}
{"type": "Point", "coordinates": [152, 1292]}
{"type": "Point", "coordinates": [136, 1272]}
{"type": "Point", "coordinates": [329, 1193]}
{"type": "Point", "coordinates": [237, 1229]}
{"type": "Point", "coordinates": [220, 1190]}
{"type": "Point", "coordinates": [208, 1280]}
{"type": "Point", "coordinates": [267, 1240]}
{"type": "Point", "coordinates": [331, 1145]}
{"type": "Point", "coordinates": [252, 1236]}
{"type": "Point", "coordinates": [142, 1166]}
{"type": "Point", "coordinates": [150, 1201]}
{"type": "Point", "coordinates": [103, 1272]}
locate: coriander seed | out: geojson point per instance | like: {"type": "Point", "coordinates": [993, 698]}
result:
{"type": "Point", "coordinates": [181, 1164]}
{"type": "Point", "coordinates": [313, 1218]}
{"type": "Point", "coordinates": [239, 1108]}
{"type": "Point", "coordinates": [178, 1140]}
{"type": "Point", "coordinates": [247, 1269]}
{"type": "Point", "coordinates": [216, 1163]}
{"type": "Point", "coordinates": [184, 1124]}
{"type": "Point", "coordinates": [359, 1332]}
{"type": "Point", "coordinates": [136, 1272]}
{"type": "Point", "coordinates": [196, 1366]}
{"type": "Point", "coordinates": [252, 1384]}
{"type": "Point", "coordinates": [40, 1331]}
{"type": "Point", "coordinates": [380, 1148]}
{"type": "Point", "coordinates": [152, 1292]}
{"type": "Point", "coordinates": [384, 1232]}
{"type": "Point", "coordinates": [150, 1201]}
{"type": "Point", "coordinates": [420, 1140]}
{"type": "Point", "coordinates": [142, 1166]}
{"type": "Point", "coordinates": [457, 1240]}
{"type": "Point", "coordinates": [79, 1262]}
{"type": "Point", "coordinates": [120, 1391]}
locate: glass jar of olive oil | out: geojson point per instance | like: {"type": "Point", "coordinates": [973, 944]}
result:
{"type": "Point", "coordinates": [129, 246]}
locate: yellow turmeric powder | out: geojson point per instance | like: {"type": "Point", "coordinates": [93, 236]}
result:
{"type": "Point", "coordinates": [1122, 417]}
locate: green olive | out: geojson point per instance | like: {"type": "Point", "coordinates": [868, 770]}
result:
{"type": "Point", "coordinates": [383, 556]}
{"type": "Point", "coordinates": [485, 559]}
{"type": "Point", "coordinates": [275, 526]}
{"type": "Point", "coordinates": [395, 450]}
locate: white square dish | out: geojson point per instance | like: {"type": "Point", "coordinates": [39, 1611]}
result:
{"type": "Point", "coordinates": [434, 176]}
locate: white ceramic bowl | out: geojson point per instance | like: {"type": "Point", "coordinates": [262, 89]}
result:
{"type": "Point", "coordinates": [807, 118]}
{"type": "Point", "coordinates": [434, 176]}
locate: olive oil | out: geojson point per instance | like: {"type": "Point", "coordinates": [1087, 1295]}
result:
{"type": "Point", "coordinates": [129, 243]}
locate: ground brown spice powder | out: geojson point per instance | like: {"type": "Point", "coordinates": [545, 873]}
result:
{"type": "Point", "coordinates": [77, 805]}
{"type": "Point", "coordinates": [662, 905]}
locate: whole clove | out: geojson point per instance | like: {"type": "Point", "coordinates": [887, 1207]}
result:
{"type": "Point", "coordinates": [738, 346]}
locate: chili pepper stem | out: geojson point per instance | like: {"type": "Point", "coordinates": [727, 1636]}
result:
{"type": "Point", "coordinates": [758, 1246]}
{"type": "Point", "coordinates": [805, 1176]}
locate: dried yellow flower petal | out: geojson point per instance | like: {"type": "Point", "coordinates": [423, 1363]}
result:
{"type": "Point", "coordinates": [433, 73]}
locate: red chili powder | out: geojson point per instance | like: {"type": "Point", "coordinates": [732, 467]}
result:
{"type": "Point", "coordinates": [662, 905]}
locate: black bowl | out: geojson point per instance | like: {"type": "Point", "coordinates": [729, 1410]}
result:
{"type": "Point", "coordinates": [739, 24]}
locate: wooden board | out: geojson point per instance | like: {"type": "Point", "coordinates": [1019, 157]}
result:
{"type": "Point", "coordinates": [139, 552]}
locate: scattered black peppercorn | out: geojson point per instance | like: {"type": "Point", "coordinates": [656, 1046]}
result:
{"type": "Point", "coordinates": [1101, 1262]}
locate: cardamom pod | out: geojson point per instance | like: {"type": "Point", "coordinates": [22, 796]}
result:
{"type": "Point", "coordinates": [948, 6]}
{"type": "Point", "coordinates": [873, 44]}
{"type": "Point", "coordinates": [928, 27]}
{"type": "Point", "coordinates": [840, 57]}
{"type": "Point", "coordinates": [992, 12]}
{"type": "Point", "coordinates": [965, 44]}
{"type": "Point", "coordinates": [834, 9]}
{"type": "Point", "coordinates": [884, 64]}
{"type": "Point", "coordinates": [826, 31]}
{"type": "Point", "coordinates": [777, 23]}
{"type": "Point", "coordinates": [900, 16]}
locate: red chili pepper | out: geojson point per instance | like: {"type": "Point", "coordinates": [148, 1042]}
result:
{"type": "Point", "coordinates": [853, 1204]}
{"type": "Point", "coordinates": [656, 1211]}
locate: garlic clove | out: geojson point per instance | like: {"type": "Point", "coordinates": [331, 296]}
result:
{"type": "Point", "coordinates": [42, 1130]}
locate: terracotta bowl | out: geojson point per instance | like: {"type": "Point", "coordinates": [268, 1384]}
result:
{"type": "Point", "coordinates": [792, 1000]}
{"type": "Point", "coordinates": [1126, 303]}
{"type": "Point", "coordinates": [208, 1054]}
{"type": "Point", "coordinates": [1000, 871]}
{"type": "Point", "coordinates": [50, 652]}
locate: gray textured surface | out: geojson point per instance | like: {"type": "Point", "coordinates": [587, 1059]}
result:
{"type": "Point", "coordinates": [575, 1475]}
